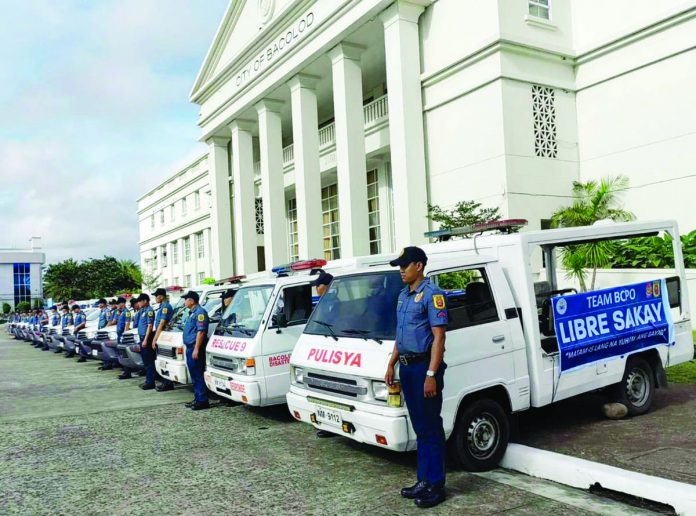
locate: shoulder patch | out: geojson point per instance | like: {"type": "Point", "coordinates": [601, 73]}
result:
{"type": "Point", "coordinates": [165, 310]}
{"type": "Point", "coordinates": [439, 301]}
{"type": "Point", "coordinates": [201, 317]}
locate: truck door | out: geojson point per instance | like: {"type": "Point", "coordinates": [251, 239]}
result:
{"type": "Point", "coordinates": [289, 315]}
{"type": "Point", "coordinates": [479, 344]}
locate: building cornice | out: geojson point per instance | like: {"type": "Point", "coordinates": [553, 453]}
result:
{"type": "Point", "coordinates": [175, 175]}
{"type": "Point", "coordinates": [173, 192]}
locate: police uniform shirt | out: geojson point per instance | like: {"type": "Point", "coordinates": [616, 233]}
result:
{"type": "Point", "coordinates": [135, 315]}
{"type": "Point", "coordinates": [80, 318]}
{"type": "Point", "coordinates": [65, 321]}
{"type": "Point", "coordinates": [196, 321]}
{"type": "Point", "coordinates": [164, 313]}
{"type": "Point", "coordinates": [123, 318]}
{"type": "Point", "coordinates": [147, 316]}
{"type": "Point", "coordinates": [113, 316]}
{"type": "Point", "coordinates": [103, 318]}
{"type": "Point", "coordinates": [55, 320]}
{"type": "Point", "coordinates": [416, 312]}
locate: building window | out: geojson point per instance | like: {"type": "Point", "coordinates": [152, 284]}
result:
{"type": "Point", "coordinates": [196, 200]}
{"type": "Point", "coordinates": [163, 250]}
{"type": "Point", "coordinates": [201, 277]}
{"type": "Point", "coordinates": [183, 207]}
{"type": "Point", "coordinates": [258, 209]}
{"type": "Point", "coordinates": [293, 242]}
{"type": "Point", "coordinates": [175, 281]}
{"type": "Point", "coordinates": [373, 212]}
{"type": "Point", "coordinates": [152, 222]}
{"type": "Point", "coordinates": [22, 282]}
{"type": "Point", "coordinates": [540, 9]}
{"type": "Point", "coordinates": [200, 248]}
{"type": "Point", "coordinates": [161, 217]}
{"type": "Point", "coordinates": [154, 260]}
{"type": "Point", "coordinates": [329, 216]}
{"type": "Point", "coordinates": [172, 214]}
{"type": "Point", "coordinates": [187, 280]}
{"type": "Point", "coordinates": [544, 114]}
{"type": "Point", "coordinates": [187, 249]}
{"type": "Point", "coordinates": [175, 253]}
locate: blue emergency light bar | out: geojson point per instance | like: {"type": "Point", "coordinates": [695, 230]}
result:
{"type": "Point", "coordinates": [299, 265]}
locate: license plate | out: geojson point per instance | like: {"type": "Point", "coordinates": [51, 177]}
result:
{"type": "Point", "coordinates": [328, 416]}
{"type": "Point", "coordinates": [220, 384]}
{"type": "Point", "coordinates": [94, 352]}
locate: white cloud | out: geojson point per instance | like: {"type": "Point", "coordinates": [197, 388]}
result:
{"type": "Point", "coordinates": [94, 99]}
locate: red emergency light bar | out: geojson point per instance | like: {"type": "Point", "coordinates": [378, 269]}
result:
{"type": "Point", "coordinates": [304, 265]}
{"type": "Point", "coordinates": [174, 288]}
{"type": "Point", "coordinates": [504, 226]}
{"type": "Point", "coordinates": [231, 279]}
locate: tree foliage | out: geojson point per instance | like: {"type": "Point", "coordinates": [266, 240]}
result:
{"type": "Point", "coordinates": [23, 306]}
{"type": "Point", "coordinates": [464, 213]}
{"type": "Point", "coordinates": [6, 308]}
{"type": "Point", "coordinates": [592, 201]}
{"type": "Point", "coordinates": [96, 277]}
{"type": "Point", "coordinates": [655, 252]}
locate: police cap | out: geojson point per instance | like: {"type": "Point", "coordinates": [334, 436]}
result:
{"type": "Point", "coordinates": [102, 301]}
{"type": "Point", "coordinates": [228, 293]}
{"type": "Point", "coordinates": [159, 292]}
{"type": "Point", "coordinates": [411, 254]}
{"type": "Point", "coordinates": [191, 295]}
{"type": "Point", "coordinates": [324, 278]}
{"type": "Point", "coordinates": [121, 300]}
{"type": "Point", "coordinates": [143, 297]}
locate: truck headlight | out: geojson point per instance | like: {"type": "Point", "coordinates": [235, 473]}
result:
{"type": "Point", "coordinates": [380, 391]}
{"type": "Point", "coordinates": [298, 374]}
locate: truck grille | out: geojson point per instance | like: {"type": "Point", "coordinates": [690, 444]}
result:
{"type": "Point", "coordinates": [102, 335]}
{"type": "Point", "coordinates": [128, 338]}
{"type": "Point", "coordinates": [82, 335]}
{"type": "Point", "coordinates": [335, 384]}
{"type": "Point", "coordinates": [224, 363]}
{"type": "Point", "coordinates": [65, 332]}
{"type": "Point", "coordinates": [166, 352]}
{"type": "Point", "coordinates": [53, 331]}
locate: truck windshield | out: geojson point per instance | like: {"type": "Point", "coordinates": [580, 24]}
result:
{"type": "Point", "coordinates": [359, 306]}
{"type": "Point", "coordinates": [243, 317]}
{"type": "Point", "coordinates": [178, 317]}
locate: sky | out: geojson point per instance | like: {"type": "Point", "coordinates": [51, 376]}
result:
{"type": "Point", "coordinates": [94, 112]}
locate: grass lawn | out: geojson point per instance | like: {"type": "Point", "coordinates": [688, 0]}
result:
{"type": "Point", "coordinates": [683, 373]}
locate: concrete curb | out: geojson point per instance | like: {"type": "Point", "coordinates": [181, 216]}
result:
{"type": "Point", "coordinates": [582, 474]}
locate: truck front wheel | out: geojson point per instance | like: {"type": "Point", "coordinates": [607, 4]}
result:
{"type": "Point", "coordinates": [637, 387]}
{"type": "Point", "coordinates": [481, 435]}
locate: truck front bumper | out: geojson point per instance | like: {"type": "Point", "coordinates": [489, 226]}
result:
{"type": "Point", "coordinates": [174, 370]}
{"type": "Point", "coordinates": [362, 426]}
{"type": "Point", "coordinates": [235, 388]}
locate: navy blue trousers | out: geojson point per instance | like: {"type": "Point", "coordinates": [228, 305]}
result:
{"type": "Point", "coordinates": [426, 421]}
{"type": "Point", "coordinates": [148, 356]}
{"type": "Point", "coordinates": [196, 367]}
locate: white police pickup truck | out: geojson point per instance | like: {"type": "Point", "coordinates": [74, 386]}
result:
{"type": "Point", "coordinates": [248, 357]}
{"type": "Point", "coordinates": [171, 362]}
{"type": "Point", "coordinates": [519, 336]}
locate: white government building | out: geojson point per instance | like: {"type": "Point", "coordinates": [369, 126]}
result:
{"type": "Point", "coordinates": [331, 124]}
{"type": "Point", "coordinates": [21, 275]}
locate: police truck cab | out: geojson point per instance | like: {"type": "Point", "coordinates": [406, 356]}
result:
{"type": "Point", "coordinates": [519, 335]}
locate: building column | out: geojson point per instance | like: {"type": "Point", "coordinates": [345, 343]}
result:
{"type": "Point", "coordinates": [305, 135]}
{"type": "Point", "coordinates": [182, 263]}
{"type": "Point", "coordinates": [209, 255]}
{"type": "Point", "coordinates": [406, 140]}
{"type": "Point", "coordinates": [220, 219]}
{"type": "Point", "coordinates": [244, 216]}
{"type": "Point", "coordinates": [350, 149]}
{"type": "Point", "coordinates": [272, 187]}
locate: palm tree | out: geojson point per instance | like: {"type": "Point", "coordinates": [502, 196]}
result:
{"type": "Point", "coordinates": [592, 201]}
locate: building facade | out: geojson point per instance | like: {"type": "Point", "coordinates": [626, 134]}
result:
{"type": "Point", "coordinates": [175, 227]}
{"type": "Point", "coordinates": [21, 274]}
{"type": "Point", "coordinates": [332, 124]}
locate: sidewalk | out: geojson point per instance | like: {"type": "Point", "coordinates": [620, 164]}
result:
{"type": "Point", "coordinates": [660, 443]}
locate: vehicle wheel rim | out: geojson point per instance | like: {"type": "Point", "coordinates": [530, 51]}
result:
{"type": "Point", "coordinates": [637, 387]}
{"type": "Point", "coordinates": [482, 435]}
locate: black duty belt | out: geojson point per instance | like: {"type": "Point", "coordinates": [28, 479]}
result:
{"type": "Point", "coordinates": [413, 358]}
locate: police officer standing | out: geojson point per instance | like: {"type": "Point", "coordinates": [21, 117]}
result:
{"type": "Point", "coordinates": [162, 318]}
{"type": "Point", "coordinates": [80, 323]}
{"type": "Point", "coordinates": [146, 334]}
{"type": "Point", "coordinates": [195, 338]}
{"type": "Point", "coordinates": [421, 321]}
{"type": "Point", "coordinates": [133, 316]}
{"type": "Point", "coordinates": [65, 321]}
{"type": "Point", "coordinates": [321, 283]}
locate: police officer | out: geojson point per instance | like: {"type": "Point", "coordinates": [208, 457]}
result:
{"type": "Point", "coordinates": [80, 323]}
{"type": "Point", "coordinates": [227, 297]}
{"type": "Point", "coordinates": [195, 337]}
{"type": "Point", "coordinates": [65, 321]}
{"type": "Point", "coordinates": [112, 314]}
{"type": "Point", "coordinates": [162, 318]}
{"type": "Point", "coordinates": [421, 320]}
{"type": "Point", "coordinates": [321, 283]}
{"type": "Point", "coordinates": [55, 321]}
{"type": "Point", "coordinates": [133, 315]}
{"type": "Point", "coordinates": [146, 320]}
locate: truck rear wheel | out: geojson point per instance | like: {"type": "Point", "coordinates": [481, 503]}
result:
{"type": "Point", "coordinates": [637, 387]}
{"type": "Point", "coordinates": [481, 435]}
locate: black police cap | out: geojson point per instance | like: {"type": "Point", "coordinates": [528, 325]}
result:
{"type": "Point", "coordinates": [324, 278]}
{"type": "Point", "coordinates": [143, 297]}
{"type": "Point", "coordinates": [121, 300]}
{"type": "Point", "coordinates": [102, 301]}
{"type": "Point", "coordinates": [228, 293]}
{"type": "Point", "coordinates": [411, 254]}
{"type": "Point", "coordinates": [191, 294]}
{"type": "Point", "coordinates": [159, 292]}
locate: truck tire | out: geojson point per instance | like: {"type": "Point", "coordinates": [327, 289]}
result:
{"type": "Point", "coordinates": [480, 435]}
{"type": "Point", "coordinates": [637, 387]}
